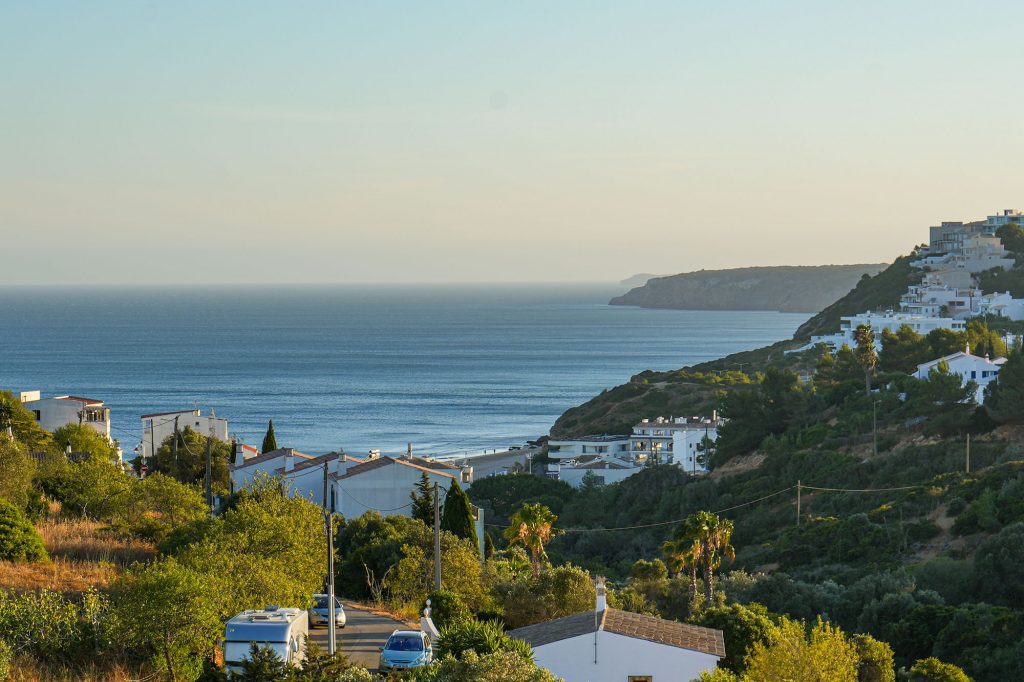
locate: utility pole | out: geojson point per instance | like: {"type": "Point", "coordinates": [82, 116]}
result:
{"type": "Point", "coordinates": [174, 444]}
{"type": "Point", "coordinates": [152, 440]}
{"type": "Point", "coordinates": [329, 526]}
{"type": "Point", "coordinates": [437, 542]}
{"type": "Point", "coordinates": [798, 503]}
{"type": "Point", "coordinates": [967, 466]}
{"type": "Point", "coordinates": [209, 469]}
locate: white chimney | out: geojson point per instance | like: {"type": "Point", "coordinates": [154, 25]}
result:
{"type": "Point", "coordinates": [289, 460]}
{"type": "Point", "coordinates": [602, 596]}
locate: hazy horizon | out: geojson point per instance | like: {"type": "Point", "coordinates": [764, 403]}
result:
{"type": "Point", "coordinates": [336, 143]}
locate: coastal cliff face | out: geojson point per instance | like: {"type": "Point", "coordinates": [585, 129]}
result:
{"type": "Point", "coordinates": [783, 288]}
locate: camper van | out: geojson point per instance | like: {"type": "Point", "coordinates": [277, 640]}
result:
{"type": "Point", "coordinates": [283, 630]}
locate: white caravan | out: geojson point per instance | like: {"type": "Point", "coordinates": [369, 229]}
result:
{"type": "Point", "coordinates": [282, 630]}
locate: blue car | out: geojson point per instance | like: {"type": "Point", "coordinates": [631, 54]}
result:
{"type": "Point", "coordinates": [406, 649]}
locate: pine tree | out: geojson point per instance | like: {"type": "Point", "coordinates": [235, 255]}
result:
{"type": "Point", "coordinates": [457, 517]}
{"type": "Point", "coordinates": [422, 497]}
{"type": "Point", "coordinates": [1005, 399]}
{"type": "Point", "coordinates": [269, 440]}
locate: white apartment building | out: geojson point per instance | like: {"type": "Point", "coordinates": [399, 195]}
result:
{"type": "Point", "coordinates": [159, 426]}
{"type": "Point", "coordinates": [982, 371]}
{"type": "Point", "coordinates": [1009, 216]}
{"type": "Point", "coordinates": [573, 448]}
{"type": "Point", "coordinates": [673, 441]}
{"type": "Point", "coordinates": [892, 321]}
{"type": "Point", "coordinates": [53, 413]}
{"type": "Point", "coordinates": [934, 300]}
{"type": "Point", "coordinates": [604, 471]}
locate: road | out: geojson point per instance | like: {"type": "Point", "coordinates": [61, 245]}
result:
{"type": "Point", "coordinates": [361, 638]}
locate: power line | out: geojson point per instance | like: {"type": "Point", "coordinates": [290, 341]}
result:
{"type": "Point", "coordinates": [736, 506]}
{"type": "Point", "coordinates": [862, 490]}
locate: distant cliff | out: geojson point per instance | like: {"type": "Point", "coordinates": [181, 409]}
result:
{"type": "Point", "coordinates": [795, 289]}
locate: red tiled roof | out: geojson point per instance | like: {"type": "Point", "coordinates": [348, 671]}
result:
{"type": "Point", "coordinates": [627, 624]}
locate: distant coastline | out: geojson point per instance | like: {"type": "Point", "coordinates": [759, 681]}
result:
{"type": "Point", "coordinates": [791, 289]}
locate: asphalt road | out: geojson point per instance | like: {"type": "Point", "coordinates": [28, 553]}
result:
{"type": "Point", "coordinates": [361, 638]}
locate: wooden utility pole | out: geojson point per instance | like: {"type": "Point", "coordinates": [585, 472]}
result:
{"type": "Point", "coordinates": [967, 464]}
{"type": "Point", "coordinates": [798, 503]}
{"type": "Point", "coordinates": [874, 428]}
{"type": "Point", "coordinates": [437, 542]}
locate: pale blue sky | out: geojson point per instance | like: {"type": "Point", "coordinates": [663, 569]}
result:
{"type": "Point", "coordinates": [440, 141]}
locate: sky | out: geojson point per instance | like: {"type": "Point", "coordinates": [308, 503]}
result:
{"type": "Point", "coordinates": [197, 142]}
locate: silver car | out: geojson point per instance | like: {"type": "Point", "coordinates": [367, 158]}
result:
{"type": "Point", "coordinates": [319, 614]}
{"type": "Point", "coordinates": [406, 649]}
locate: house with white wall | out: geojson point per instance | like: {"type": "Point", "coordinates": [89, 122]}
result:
{"type": "Point", "coordinates": [609, 645]}
{"type": "Point", "coordinates": [604, 445]}
{"type": "Point", "coordinates": [673, 441]}
{"type": "Point", "coordinates": [53, 413]}
{"type": "Point", "coordinates": [879, 322]}
{"type": "Point", "coordinates": [982, 371]}
{"type": "Point", "coordinates": [159, 426]}
{"type": "Point", "coordinates": [603, 471]}
{"type": "Point", "coordinates": [383, 483]}
{"type": "Point", "coordinates": [304, 474]}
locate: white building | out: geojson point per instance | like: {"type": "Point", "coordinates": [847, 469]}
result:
{"type": "Point", "coordinates": [605, 470]}
{"type": "Point", "coordinates": [934, 300]}
{"type": "Point", "coordinates": [1002, 305]}
{"type": "Point", "coordinates": [573, 448]}
{"type": "Point", "coordinates": [158, 427]}
{"type": "Point", "coordinates": [383, 484]}
{"type": "Point", "coordinates": [1009, 216]}
{"type": "Point", "coordinates": [982, 371]}
{"type": "Point", "coordinates": [608, 645]}
{"type": "Point", "coordinates": [673, 441]}
{"type": "Point", "coordinates": [53, 413]}
{"type": "Point", "coordinates": [888, 320]}
{"type": "Point", "coordinates": [303, 473]}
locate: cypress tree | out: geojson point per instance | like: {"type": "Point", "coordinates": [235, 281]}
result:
{"type": "Point", "coordinates": [269, 440]}
{"type": "Point", "coordinates": [457, 517]}
{"type": "Point", "coordinates": [422, 497]}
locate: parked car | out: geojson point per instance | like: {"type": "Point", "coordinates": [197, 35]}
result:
{"type": "Point", "coordinates": [318, 615]}
{"type": "Point", "coordinates": [405, 649]}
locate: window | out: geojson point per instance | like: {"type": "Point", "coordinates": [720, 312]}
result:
{"type": "Point", "coordinates": [640, 678]}
{"type": "Point", "coordinates": [36, 413]}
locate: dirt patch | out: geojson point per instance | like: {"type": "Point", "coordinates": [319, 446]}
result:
{"type": "Point", "coordinates": [738, 465]}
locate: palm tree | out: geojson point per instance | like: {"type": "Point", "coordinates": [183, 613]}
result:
{"type": "Point", "coordinates": [867, 356]}
{"type": "Point", "coordinates": [715, 537]}
{"type": "Point", "coordinates": [684, 556]}
{"type": "Point", "coordinates": [532, 527]}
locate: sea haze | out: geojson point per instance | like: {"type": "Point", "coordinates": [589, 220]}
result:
{"type": "Point", "coordinates": [448, 368]}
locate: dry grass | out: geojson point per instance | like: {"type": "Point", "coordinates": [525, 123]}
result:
{"type": "Point", "coordinates": [83, 555]}
{"type": "Point", "coordinates": [89, 541]}
{"type": "Point", "coordinates": [62, 575]}
{"type": "Point", "coordinates": [27, 669]}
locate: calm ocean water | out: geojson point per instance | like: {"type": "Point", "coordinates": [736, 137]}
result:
{"type": "Point", "coordinates": [449, 368]}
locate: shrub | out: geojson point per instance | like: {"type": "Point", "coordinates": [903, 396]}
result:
{"type": "Point", "coordinates": [51, 627]}
{"type": "Point", "coordinates": [19, 540]}
{"type": "Point", "coordinates": [480, 637]}
{"type": "Point", "coordinates": [501, 666]}
{"type": "Point", "coordinates": [5, 659]}
{"type": "Point", "coordinates": [742, 626]}
{"type": "Point", "coordinates": [934, 670]}
{"type": "Point", "coordinates": [446, 608]}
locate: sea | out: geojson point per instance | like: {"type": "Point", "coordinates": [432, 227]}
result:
{"type": "Point", "coordinates": [452, 369]}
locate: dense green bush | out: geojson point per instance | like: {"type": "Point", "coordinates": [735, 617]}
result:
{"type": "Point", "coordinates": [446, 608]}
{"type": "Point", "coordinates": [19, 540]}
{"type": "Point", "coordinates": [50, 626]}
{"type": "Point", "coordinates": [479, 637]}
